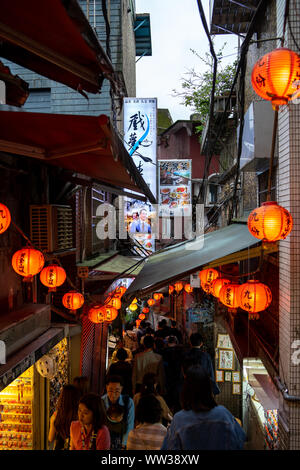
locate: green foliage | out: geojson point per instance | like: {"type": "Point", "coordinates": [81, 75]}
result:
{"type": "Point", "coordinates": [196, 87]}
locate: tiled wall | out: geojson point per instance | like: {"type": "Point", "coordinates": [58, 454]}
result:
{"type": "Point", "coordinates": [289, 251]}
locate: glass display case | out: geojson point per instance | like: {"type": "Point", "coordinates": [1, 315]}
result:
{"type": "Point", "coordinates": [16, 413]}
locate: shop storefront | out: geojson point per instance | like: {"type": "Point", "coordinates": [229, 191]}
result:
{"type": "Point", "coordinates": [40, 359]}
{"type": "Point", "coordinates": [260, 406]}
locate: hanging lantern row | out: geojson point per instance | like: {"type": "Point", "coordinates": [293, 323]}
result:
{"type": "Point", "coordinates": [252, 296]}
{"type": "Point", "coordinates": [179, 286]}
{"type": "Point", "coordinates": [100, 313]}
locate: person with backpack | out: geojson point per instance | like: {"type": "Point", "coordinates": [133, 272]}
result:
{"type": "Point", "coordinates": [119, 412]}
{"type": "Point", "coordinates": [90, 431]}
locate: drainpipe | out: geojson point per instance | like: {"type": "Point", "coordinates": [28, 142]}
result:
{"type": "Point", "coordinates": [285, 392]}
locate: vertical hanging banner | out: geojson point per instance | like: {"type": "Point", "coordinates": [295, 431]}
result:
{"type": "Point", "coordinates": [140, 131]}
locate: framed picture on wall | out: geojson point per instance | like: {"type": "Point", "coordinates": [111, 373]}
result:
{"type": "Point", "coordinates": [227, 376]}
{"type": "Point", "coordinates": [226, 359]}
{"type": "Point", "coordinates": [219, 376]}
{"type": "Point", "coordinates": [236, 389]}
{"type": "Point", "coordinates": [224, 342]}
{"type": "Point", "coordinates": [236, 376]}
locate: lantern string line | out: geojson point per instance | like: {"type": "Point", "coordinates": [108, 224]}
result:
{"type": "Point", "coordinates": [275, 124]}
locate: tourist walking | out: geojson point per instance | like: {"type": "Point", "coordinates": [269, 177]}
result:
{"type": "Point", "coordinates": [122, 368]}
{"type": "Point", "coordinates": [195, 355]}
{"type": "Point", "coordinates": [149, 387]}
{"type": "Point", "coordinates": [150, 432]}
{"type": "Point", "coordinates": [146, 362]}
{"type": "Point", "coordinates": [202, 424]}
{"type": "Point", "coordinates": [90, 431]}
{"type": "Point", "coordinates": [65, 413]}
{"type": "Point", "coordinates": [119, 410]}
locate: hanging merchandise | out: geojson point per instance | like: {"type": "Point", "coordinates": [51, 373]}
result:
{"type": "Point", "coordinates": [5, 218]}
{"type": "Point", "coordinates": [53, 276]}
{"type": "Point", "coordinates": [28, 262]}
{"type": "Point", "coordinates": [46, 366]}
{"type": "Point", "coordinates": [146, 310]}
{"type": "Point", "coordinates": [254, 297]}
{"type": "Point", "coordinates": [270, 222]}
{"type": "Point", "coordinates": [16, 404]}
{"type": "Point", "coordinates": [142, 316]}
{"type": "Point", "coordinates": [275, 76]}
{"type": "Point", "coordinates": [151, 302]}
{"type": "Point", "coordinates": [61, 354]}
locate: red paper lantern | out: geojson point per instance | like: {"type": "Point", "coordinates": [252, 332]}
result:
{"type": "Point", "coordinates": [157, 296]}
{"type": "Point", "coordinates": [254, 297]}
{"type": "Point", "coordinates": [151, 302]}
{"type": "Point", "coordinates": [207, 276]}
{"type": "Point", "coordinates": [5, 218]}
{"type": "Point", "coordinates": [217, 285]}
{"type": "Point", "coordinates": [145, 310]}
{"type": "Point", "coordinates": [171, 290]}
{"type": "Point", "coordinates": [275, 76]}
{"type": "Point", "coordinates": [28, 262]}
{"type": "Point", "coordinates": [178, 286]}
{"type": "Point", "coordinates": [142, 316]}
{"type": "Point", "coordinates": [53, 276]}
{"type": "Point", "coordinates": [270, 222]}
{"type": "Point", "coordinates": [229, 295]}
{"type": "Point", "coordinates": [119, 291]}
{"type": "Point", "coordinates": [113, 302]}
{"type": "Point", "coordinates": [73, 301]}
{"type": "Point", "coordinates": [188, 288]}
{"type": "Point", "coordinates": [100, 314]}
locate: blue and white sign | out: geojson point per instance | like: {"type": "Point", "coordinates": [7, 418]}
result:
{"type": "Point", "coordinates": [140, 130]}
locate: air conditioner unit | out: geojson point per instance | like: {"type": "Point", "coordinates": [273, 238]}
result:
{"type": "Point", "coordinates": [51, 227]}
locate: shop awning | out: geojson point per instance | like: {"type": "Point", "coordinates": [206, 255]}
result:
{"type": "Point", "coordinates": [54, 39]}
{"type": "Point", "coordinates": [86, 145]}
{"type": "Point", "coordinates": [185, 258]}
{"type": "Point", "coordinates": [29, 355]}
{"type": "Point", "coordinates": [121, 264]}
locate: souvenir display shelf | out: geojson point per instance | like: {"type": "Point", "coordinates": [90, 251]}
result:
{"type": "Point", "coordinates": [16, 417]}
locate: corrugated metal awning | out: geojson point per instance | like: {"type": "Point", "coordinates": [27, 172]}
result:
{"type": "Point", "coordinates": [87, 145]}
{"type": "Point", "coordinates": [185, 258]}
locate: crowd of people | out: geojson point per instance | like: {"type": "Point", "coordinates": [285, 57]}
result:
{"type": "Point", "coordinates": [159, 394]}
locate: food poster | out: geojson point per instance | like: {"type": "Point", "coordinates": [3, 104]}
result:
{"type": "Point", "coordinates": [175, 187]}
{"type": "Point", "coordinates": [139, 220]}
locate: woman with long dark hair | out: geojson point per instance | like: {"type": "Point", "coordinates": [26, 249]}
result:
{"type": "Point", "coordinates": [90, 432]}
{"type": "Point", "coordinates": [202, 424]}
{"type": "Point", "coordinates": [65, 413]}
{"type": "Point", "coordinates": [150, 387]}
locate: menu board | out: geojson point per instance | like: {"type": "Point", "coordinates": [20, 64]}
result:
{"type": "Point", "coordinates": [175, 188]}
